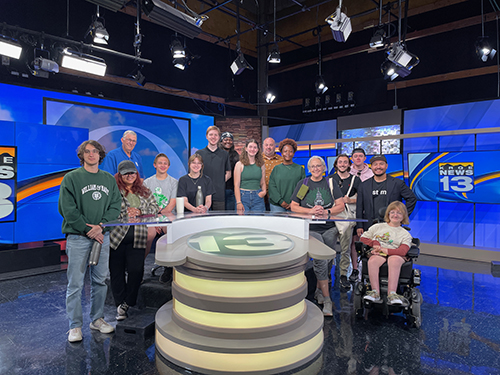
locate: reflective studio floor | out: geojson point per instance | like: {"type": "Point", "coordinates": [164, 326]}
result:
{"type": "Point", "coordinates": [460, 333]}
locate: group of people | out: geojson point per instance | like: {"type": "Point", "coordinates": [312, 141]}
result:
{"type": "Point", "coordinates": [254, 181]}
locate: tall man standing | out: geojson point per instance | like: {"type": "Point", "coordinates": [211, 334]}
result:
{"type": "Point", "coordinates": [271, 159]}
{"type": "Point", "coordinates": [359, 167]}
{"type": "Point", "coordinates": [216, 166]}
{"type": "Point", "coordinates": [227, 144]}
{"type": "Point", "coordinates": [88, 198]}
{"type": "Point", "coordinates": [378, 191]}
{"type": "Point", "coordinates": [126, 152]}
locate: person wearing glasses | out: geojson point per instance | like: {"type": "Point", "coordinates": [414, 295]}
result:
{"type": "Point", "coordinates": [359, 167]}
{"type": "Point", "coordinates": [313, 196]}
{"type": "Point", "coordinates": [349, 185]}
{"type": "Point", "coordinates": [88, 198]}
{"type": "Point", "coordinates": [126, 152]}
{"type": "Point", "coordinates": [389, 242]}
{"type": "Point", "coordinates": [128, 243]}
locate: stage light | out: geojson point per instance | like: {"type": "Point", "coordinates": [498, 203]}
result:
{"type": "Point", "coordinates": [10, 47]}
{"type": "Point", "coordinates": [177, 49]}
{"type": "Point", "coordinates": [320, 85]}
{"type": "Point", "coordinates": [378, 38]}
{"type": "Point", "coordinates": [484, 49]}
{"type": "Point", "coordinates": [98, 32]}
{"type": "Point", "coordinates": [113, 5]}
{"type": "Point", "coordinates": [172, 18]}
{"type": "Point", "coordinates": [240, 64]}
{"type": "Point", "coordinates": [274, 56]}
{"type": "Point", "coordinates": [137, 75]}
{"type": "Point", "coordinates": [180, 63]}
{"type": "Point", "coordinates": [399, 62]}
{"type": "Point", "coordinates": [269, 96]}
{"type": "Point", "coordinates": [83, 62]}
{"type": "Point", "coordinates": [340, 24]}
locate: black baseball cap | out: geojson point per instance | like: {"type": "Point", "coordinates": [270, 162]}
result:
{"type": "Point", "coordinates": [377, 158]}
{"type": "Point", "coordinates": [359, 150]}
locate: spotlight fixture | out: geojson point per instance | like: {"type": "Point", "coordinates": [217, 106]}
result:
{"type": "Point", "coordinates": [391, 71]}
{"type": "Point", "coordinates": [83, 62]}
{"type": "Point", "coordinates": [137, 75]}
{"type": "Point", "coordinates": [378, 38]}
{"type": "Point", "coordinates": [180, 63]}
{"type": "Point", "coordinates": [274, 56]}
{"type": "Point", "coordinates": [42, 64]}
{"type": "Point", "coordinates": [340, 24]}
{"type": "Point", "coordinates": [98, 31]}
{"type": "Point", "coordinates": [172, 18]}
{"type": "Point", "coordinates": [269, 96]}
{"type": "Point", "coordinates": [240, 64]}
{"type": "Point", "coordinates": [10, 47]}
{"type": "Point", "coordinates": [177, 49]}
{"type": "Point", "coordinates": [399, 55]}
{"type": "Point", "coordinates": [484, 49]}
{"type": "Point", "coordinates": [320, 85]}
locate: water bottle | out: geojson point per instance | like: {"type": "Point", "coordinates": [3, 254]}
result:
{"type": "Point", "coordinates": [199, 197]}
{"type": "Point", "coordinates": [95, 253]}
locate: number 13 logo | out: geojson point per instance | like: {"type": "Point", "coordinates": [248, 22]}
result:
{"type": "Point", "coordinates": [457, 183]}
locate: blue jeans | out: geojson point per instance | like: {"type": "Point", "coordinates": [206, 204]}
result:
{"type": "Point", "coordinates": [230, 200]}
{"type": "Point", "coordinates": [78, 250]}
{"type": "Point", "coordinates": [251, 201]}
{"type": "Point", "coordinates": [276, 208]}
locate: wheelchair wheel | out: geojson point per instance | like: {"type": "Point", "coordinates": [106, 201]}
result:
{"type": "Point", "coordinates": [415, 316]}
{"type": "Point", "coordinates": [358, 300]}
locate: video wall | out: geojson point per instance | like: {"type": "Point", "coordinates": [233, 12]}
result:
{"type": "Point", "coordinates": [46, 127]}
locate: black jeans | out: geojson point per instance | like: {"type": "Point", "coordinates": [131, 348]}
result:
{"type": "Point", "coordinates": [129, 260]}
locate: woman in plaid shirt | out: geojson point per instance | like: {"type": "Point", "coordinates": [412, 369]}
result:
{"type": "Point", "coordinates": [128, 243]}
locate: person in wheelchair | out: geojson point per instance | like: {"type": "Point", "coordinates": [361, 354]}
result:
{"type": "Point", "coordinates": [390, 243]}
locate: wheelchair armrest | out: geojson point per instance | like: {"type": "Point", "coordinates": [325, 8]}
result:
{"type": "Point", "coordinates": [361, 248]}
{"type": "Point", "coordinates": [414, 252]}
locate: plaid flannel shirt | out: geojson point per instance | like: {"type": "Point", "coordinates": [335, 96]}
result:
{"type": "Point", "coordinates": [148, 206]}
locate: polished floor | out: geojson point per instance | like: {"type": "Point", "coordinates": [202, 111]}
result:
{"type": "Point", "coordinates": [460, 333]}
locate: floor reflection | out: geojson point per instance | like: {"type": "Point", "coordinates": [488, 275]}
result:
{"type": "Point", "coordinates": [459, 333]}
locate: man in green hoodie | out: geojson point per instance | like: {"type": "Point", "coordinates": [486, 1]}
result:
{"type": "Point", "coordinates": [88, 197]}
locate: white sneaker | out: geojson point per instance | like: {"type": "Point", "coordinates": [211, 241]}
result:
{"type": "Point", "coordinates": [121, 311]}
{"type": "Point", "coordinates": [75, 334]}
{"type": "Point", "coordinates": [101, 326]}
{"type": "Point", "coordinates": [328, 308]}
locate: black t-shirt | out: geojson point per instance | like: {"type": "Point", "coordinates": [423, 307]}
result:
{"type": "Point", "coordinates": [234, 157]}
{"type": "Point", "coordinates": [318, 195]}
{"type": "Point", "coordinates": [379, 195]}
{"type": "Point", "coordinates": [188, 187]}
{"type": "Point", "coordinates": [345, 183]}
{"type": "Point", "coordinates": [215, 165]}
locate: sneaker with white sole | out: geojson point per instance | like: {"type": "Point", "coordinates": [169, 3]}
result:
{"type": "Point", "coordinates": [373, 296]}
{"type": "Point", "coordinates": [101, 326]}
{"type": "Point", "coordinates": [394, 299]}
{"type": "Point", "coordinates": [354, 276]}
{"type": "Point", "coordinates": [75, 334]}
{"type": "Point", "coordinates": [121, 311]}
{"type": "Point", "coordinates": [328, 307]}
{"type": "Point", "coordinates": [344, 284]}
{"type": "Point", "coordinates": [318, 296]}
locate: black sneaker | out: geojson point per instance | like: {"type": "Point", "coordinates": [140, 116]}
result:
{"type": "Point", "coordinates": [344, 283]}
{"type": "Point", "coordinates": [354, 276]}
{"type": "Point", "coordinates": [166, 276]}
{"type": "Point", "coordinates": [121, 311]}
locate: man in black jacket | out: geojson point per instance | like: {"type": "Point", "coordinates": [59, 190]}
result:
{"type": "Point", "coordinates": [378, 191]}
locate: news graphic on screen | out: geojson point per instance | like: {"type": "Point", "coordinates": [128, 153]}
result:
{"type": "Point", "coordinates": [8, 183]}
{"type": "Point", "coordinates": [468, 177]}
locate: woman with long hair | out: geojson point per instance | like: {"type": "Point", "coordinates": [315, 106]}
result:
{"type": "Point", "coordinates": [250, 179]}
{"type": "Point", "coordinates": [128, 243]}
{"type": "Point", "coordinates": [192, 182]}
{"type": "Point", "coordinates": [284, 177]}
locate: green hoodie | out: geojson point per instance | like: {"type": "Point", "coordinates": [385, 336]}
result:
{"type": "Point", "coordinates": [88, 198]}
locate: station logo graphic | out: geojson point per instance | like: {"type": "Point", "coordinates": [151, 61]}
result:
{"type": "Point", "coordinates": [8, 183]}
{"type": "Point", "coordinates": [240, 242]}
{"type": "Point", "coordinates": [456, 177]}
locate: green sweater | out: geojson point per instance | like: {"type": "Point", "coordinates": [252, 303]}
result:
{"type": "Point", "coordinates": [88, 198]}
{"type": "Point", "coordinates": [282, 183]}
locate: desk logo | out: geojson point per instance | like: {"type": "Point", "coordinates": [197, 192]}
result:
{"type": "Point", "coordinates": [240, 242]}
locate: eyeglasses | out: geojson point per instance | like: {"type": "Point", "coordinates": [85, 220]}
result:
{"type": "Point", "coordinates": [316, 166]}
{"type": "Point", "coordinates": [395, 213]}
{"type": "Point", "coordinates": [93, 151]}
{"type": "Point", "coordinates": [130, 140]}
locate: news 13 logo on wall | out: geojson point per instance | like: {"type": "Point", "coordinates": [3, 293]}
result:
{"type": "Point", "coordinates": [8, 183]}
{"type": "Point", "coordinates": [472, 177]}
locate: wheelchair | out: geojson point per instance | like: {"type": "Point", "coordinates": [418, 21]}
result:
{"type": "Point", "coordinates": [409, 280]}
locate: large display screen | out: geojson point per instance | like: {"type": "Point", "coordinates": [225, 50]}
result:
{"type": "Point", "coordinates": [467, 177]}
